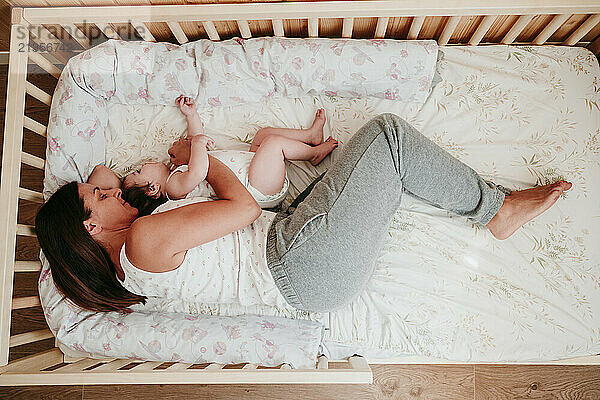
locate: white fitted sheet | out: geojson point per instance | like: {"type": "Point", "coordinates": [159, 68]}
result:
{"type": "Point", "coordinates": [444, 287]}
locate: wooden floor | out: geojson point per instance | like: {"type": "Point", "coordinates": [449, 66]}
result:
{"type": "Point", "coordinates": [391, 381]}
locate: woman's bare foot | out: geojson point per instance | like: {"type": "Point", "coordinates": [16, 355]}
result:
{"type": "Point", "coordinates": [323, 149]}
{"type": "Point", "coordinates": [316, 130]}
{"type": "Point", "coordinates": [522, 206]}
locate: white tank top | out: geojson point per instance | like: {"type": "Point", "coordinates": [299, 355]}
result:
{"type": "Point", "coordinates": [231, 269]}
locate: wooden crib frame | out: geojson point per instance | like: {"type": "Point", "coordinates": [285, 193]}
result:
{"type": "Point", "coordinates": [27, 30]}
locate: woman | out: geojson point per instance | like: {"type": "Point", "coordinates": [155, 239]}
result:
{"type": "Point", "coordinates": [320, 252]}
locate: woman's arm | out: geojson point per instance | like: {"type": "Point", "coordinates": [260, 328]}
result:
{"type": "Point", "coordinates": [158, 242]}
{"type": "Point", "coordinates": [104, 178]}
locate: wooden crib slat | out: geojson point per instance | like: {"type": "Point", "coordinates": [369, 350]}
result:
{"type": "Point", "coordinates": [31, 160]}
{"type": "Point", "coordinates": [30, 195]}
{"type": "Point", "coordinates": [583, 29]}
{"type": "Point", "coordinates": [38, 93]}
{"type": "Point", "coordinates": [285, 366]}
{"type": "Point", "coordinates": [381, 28]}
{"type": "Point", "coordinates": [11, 167]}
{"type": "Point", "coordinates": [517, 28]}
{"type": "Point", "coordinates": [244, 28]}
{"type": "Point", "coordinates": [34, 126]}
{"type": "Point", "coordinates": [78, 35]}
{"type": "Point", "coordinates": [357, 362]}
{"type": "Point", "coordinates": [556, 22]}
{"type": "Point", "coordinates": [78, 366]}
{"type": "Point", "coordinates": [30, 337]}
{"type": "Point", "coordinates": [313, 27]}
{"type": "Point", "coordinates": [44, 64]}
{"type": "Point", "coordinates": [178, 32]}
{"type": "Point", "coordinates": [415, 27]}
{"type": "Point", "coordinates": [214, 366]}
{"type": "Point", "coordinates": [449, 29]}
{"type": "Point", "coordinates": [146, 366]}
{"type": "Point", "coordinates": [143, 31]}
{"type": "Point", "coordinates": [112, 366]}
{"type": "Point", "coordinates": [323, 362]}
{"type": "Point", "coordinates": [347, 26]}
{"type": "Point", "coordinates": [250, 366]}
{"type": "Point", "coordinates": [482, 29]}
{"type": "Point", "coordinates": [25, 230]}
{"type": "Point", "coordinates": [46, 38]}
{"type": "Point", "coordinates": [35, 362]}
{"type": "Point", "coordinates": [108, 31]}
{"type": "Point", "coordinates": [594, 47]}
{"type": "Point", "coordinates": [278, 27]}
{"type": "Point", "coordinates": [25, 302]}
{"type": "Point", "coordinates": [211, 31]}
{"type": "Point", "coordinates": [179, 366]}
{"type": "Point", "coordinates": [28, 266]}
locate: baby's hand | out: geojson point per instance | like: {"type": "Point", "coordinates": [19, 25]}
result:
{"type": "Point", "coordinates": [203, 140]}
{"type": "Point", "coordinates": [186, 105]}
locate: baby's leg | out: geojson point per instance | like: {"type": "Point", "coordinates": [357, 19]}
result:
{"type": "Point", "coordinates": [267, 169]}
{"type": "Point", "coordinates": [312, 135]}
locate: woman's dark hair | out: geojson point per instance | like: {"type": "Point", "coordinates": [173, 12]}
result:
{"type": "Point", "coordinates": [81, 268]}
{"type": "Point", "coordinates": [137, 197]}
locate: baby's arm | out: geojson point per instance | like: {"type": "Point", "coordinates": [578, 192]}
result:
{"type": "Point", "coordinates": [104, 178]}
{"type": "Point", "coordinates": [188, 108]}
{"type": "Point", "coordinates": [181, 183]}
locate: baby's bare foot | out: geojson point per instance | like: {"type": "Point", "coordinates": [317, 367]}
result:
{"type": "Point", "coordinates": [316, 130]}
{"type": "Point", "coordinates": [323, 149]}
{"type": "Point", "coordinates": [522, 206]}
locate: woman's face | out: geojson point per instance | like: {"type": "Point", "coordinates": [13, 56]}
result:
{"type": "Point", "coordinates": [109, 210]}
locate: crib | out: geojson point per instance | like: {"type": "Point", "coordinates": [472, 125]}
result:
{"type": "Point", "coordinates": [41, 35]}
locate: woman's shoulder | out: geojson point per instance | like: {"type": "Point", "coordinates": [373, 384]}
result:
{"type": "Point", "coordinates": [172, 204]}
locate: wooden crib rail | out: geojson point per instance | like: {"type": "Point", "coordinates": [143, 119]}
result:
{"type": "Point", "coordinates": [88, 371]}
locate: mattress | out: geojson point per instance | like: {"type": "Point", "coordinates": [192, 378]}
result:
{"type": "Point", "coordinates": [444, 288]}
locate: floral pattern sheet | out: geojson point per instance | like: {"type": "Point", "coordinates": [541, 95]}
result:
{"type": "Point", "coordinates": [444, 287]}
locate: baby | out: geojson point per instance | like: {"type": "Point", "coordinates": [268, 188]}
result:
{"type": "Point", "coordinates": [261, 170]}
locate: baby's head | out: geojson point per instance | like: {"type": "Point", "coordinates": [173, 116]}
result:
{"type": "Point", "coordinates": [151, 177]}
{"type": "Point", "coordinates": [179, 152]}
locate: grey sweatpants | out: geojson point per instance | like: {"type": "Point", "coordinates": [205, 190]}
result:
{"type": "Point", "coordinates": [322, 250]}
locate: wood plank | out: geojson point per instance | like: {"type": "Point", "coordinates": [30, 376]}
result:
{"type": "Point", "coordinates": [9, 182]}
{"type": "Point", "coordinates": [594, 47]}
{"type": "Point", "coordinates": [31, 195]}
{"type": "Point", "coordinates": [29, 337]}
{"type": "Point", "coordinates": [178, 32]}
{"type": "Point", "coordinates": [482, 29]}
{"type": "Point", "coordinates": [34, 362]}
{"type": "Point", "coordinates": [278, 27]}
{"type": "Point", "coordinates": [38, 93]}
{"type": "Point", "coordinates": [313, 27]}
{"type": "Point", "coordinates": [143, 31]}
{"type": "Point", "coordinates": [449, 30]}
{"type": "Point", "coordinates": [517, 28]}
{"type": "Point", "coordinates": [554, 24]}
{"type": "Point", "coordinates": [347, 27]}
{"type": "Point", "coordinates": [291, 10]}
{"type": "Point", "coordinates": [539, 382]}
{"type": "Point", "coordinates": [580, 32]}
{"type": "Point", "coordinates": [25, 302]}
{"type": "Point", "coordinates": [32, 160]}
{"type": "Point", "coordinates": [381, 28]}
{"type": "Point", "coordinates": [415, 27]}
{"type": "Point", "coordinates": [244, 29]}
{"type": "Point", "coordinates": [28, 266]}
{"type": "Point", "coordinates": [211, 30]}
{"type": "Point", "coordinates": [45, 64]}
{"type": "Point", "coordinates": [34, 126]}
